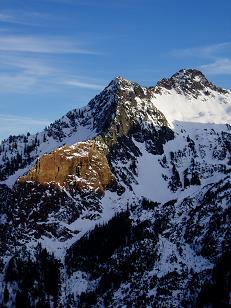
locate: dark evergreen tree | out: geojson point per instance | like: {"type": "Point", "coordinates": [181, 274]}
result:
{"type": "Point", "coordinates": [186, 179]}
{"type": "Point", "coordinates": [21, 300]}
{"type": "Point", "coordinates": [195, 180]}
{"type": "Point", "coordinates": [6, 295]}
{"type": "Point", "coordinates": [175, 179]}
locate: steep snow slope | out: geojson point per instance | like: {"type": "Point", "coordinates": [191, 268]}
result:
{"type": "Point", "coordinates": [204, 109]}
{"type": "Point", "coordinates": [189, 97]}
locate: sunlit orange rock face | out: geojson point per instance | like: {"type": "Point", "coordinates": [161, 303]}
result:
{"type": "Point", "coordinates": [82, 165]}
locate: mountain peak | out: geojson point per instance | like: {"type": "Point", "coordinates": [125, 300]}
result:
{"type": "Point", "coordinates": [120, 82]}
{"type": "Point", "coordinates": [190, 82]}
{"type": "Point", "coordinates": [189, 74]}
{"type": "Point", "coordinates": [119, 79]}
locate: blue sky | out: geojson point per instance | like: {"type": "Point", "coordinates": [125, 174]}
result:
{"type": "Point", "coordinates": [55, 55]}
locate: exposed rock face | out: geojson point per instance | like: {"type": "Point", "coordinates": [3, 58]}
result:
{"type": "Point", "coordinates": [82, 165]}
{"type": "Point", "coordinates": [189, 82]}
{"type": "Point", "coordinates": [133, 115]}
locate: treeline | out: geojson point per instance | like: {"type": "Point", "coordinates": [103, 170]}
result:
{"type": "Point", "coordinates": [112, 253]}
{"type": "Point", "coordinates": [99, 244]}
{"type": "Point", "coordinates": [16, 153]}
{"type": "Point", "coordinates": [216, 292]}
{"type": "Point", "coordinates": [37, 281]}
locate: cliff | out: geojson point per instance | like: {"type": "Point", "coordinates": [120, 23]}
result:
{"type": "Point", "coordinates": [82, 166]}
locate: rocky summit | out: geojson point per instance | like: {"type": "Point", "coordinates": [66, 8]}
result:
{"type": "Point", "coordinates": [122, 203]}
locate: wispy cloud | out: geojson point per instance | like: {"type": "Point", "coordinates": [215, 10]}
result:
{"type": "Point", "coordinates": [11, 124]}
{"type": "Point", "coordinates": [26, 63]}
{"type": "Point", "coordinates": [20, 74]}
{"type": "Point", "coordinates": [209, 51]}
{"type": "Point", "coordinates": [219, 67]}
{"type": "Point", "coordinates": [92, 3]}
{"type": "Point", "coordinates": [17, 82]}
{"type": "Point", "coordinates": [217, 57]}
{"type": "Point", "coordinates": [27, 18]}
{"type": "Point", "coordinates": [20, 17]}
{"type": "Point", "coordinates": [5, 17]}
{"type": "Point", "coordinates": [50, 45]}
{"type": "Point", "coordinates": [22, 120]}
{"type": "Point", "coordinates": [30, 62]}
{"type": "Point", "coordinates": [79, 84]}
{"type": "Point", "coordinates": [25, 74]}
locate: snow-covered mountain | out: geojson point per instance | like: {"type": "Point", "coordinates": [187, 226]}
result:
{"type": "Point", "coordinates": [125, 202]}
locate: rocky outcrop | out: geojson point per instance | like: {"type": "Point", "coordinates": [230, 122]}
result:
{"type": "Point", "coordinates": [82, 166]}
{"type": "Point", "coordinates": [189, 82]}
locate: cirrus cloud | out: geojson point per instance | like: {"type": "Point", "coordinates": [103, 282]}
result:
{"type": "Point", "coordinates": [32, 44]}
{"type": "Point", "coordinates": [219, 67]}
{"type": "Point", "coordinates": [85, 85]}
{"type": "Point", "coordinates": [217, 57]}
{"type": "Point", "coordinates": [12, 124]}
